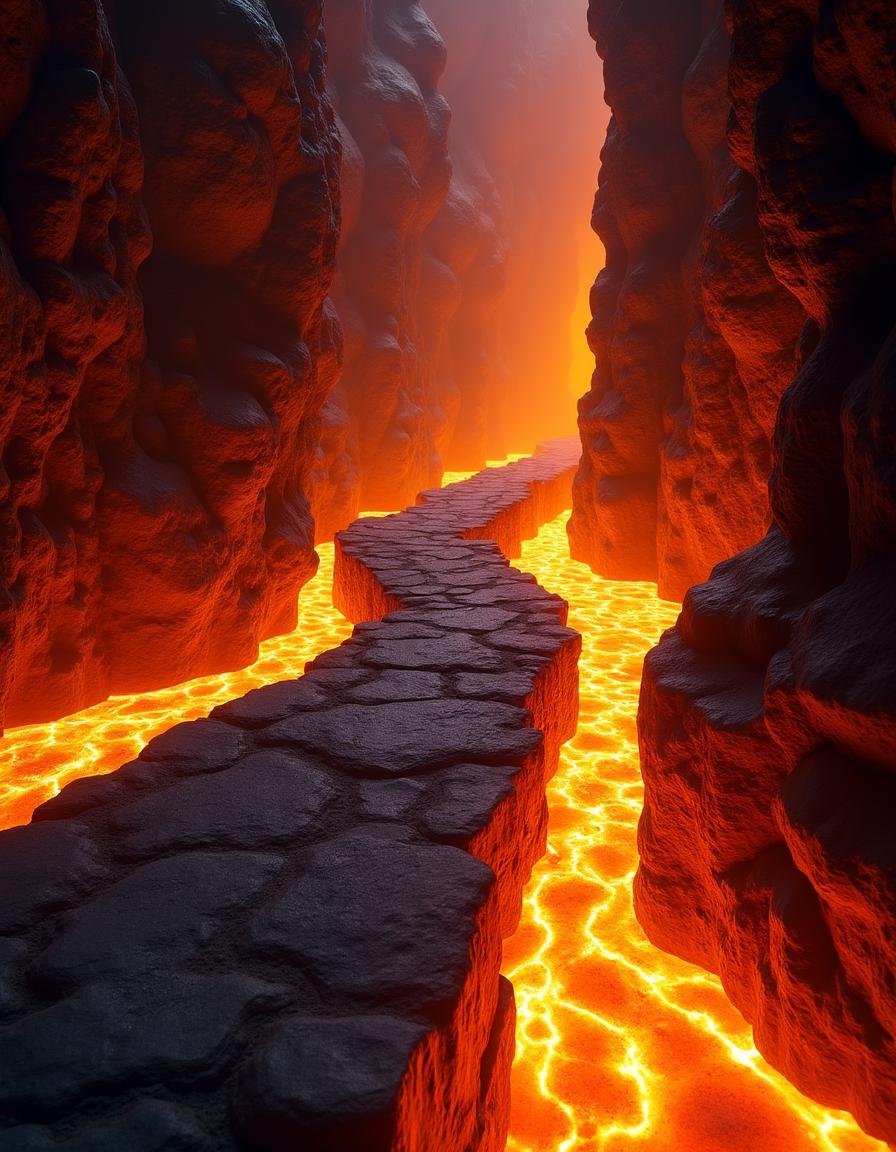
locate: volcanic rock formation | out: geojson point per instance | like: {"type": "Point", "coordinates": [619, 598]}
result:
{"type": "Point", "coordinates": [695, 338]}
{"type": "Point", "coordinates": [155, 523]}
{"type": "Point", "coordinates": [281, 926]}
{"type": "Point", "coordinates": [768, 718]}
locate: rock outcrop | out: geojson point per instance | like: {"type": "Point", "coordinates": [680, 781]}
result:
{"type": "Point", "coordinates": [695, 338]}
{"type": "Point", "coordinates": [768, 716]}
{"type": "Point", "coordinates": [159, 412]}
{"type": "Point", "coordinates": [281, 926]}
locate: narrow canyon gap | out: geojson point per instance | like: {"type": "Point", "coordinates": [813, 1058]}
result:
{"type": "Point", "coordinates": [322, 828]}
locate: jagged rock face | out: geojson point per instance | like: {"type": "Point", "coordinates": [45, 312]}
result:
{"type": "Point", "coordinates": [155, 466]}
{"type": "Point", "coordinates": [693, 335]}
{"type": "Point", "coordinates": [454, 294]}
{"type": "Point", "coordinates": [385, 62]}
{"type": "Point", "coordinates": [768, 725]}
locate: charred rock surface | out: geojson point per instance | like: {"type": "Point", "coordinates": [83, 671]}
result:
{"type": "Point", "coordinates": [282, 925]}
{"type": "Point", "coordinates": [385, 62]}
{"type": "Point", "coordinates": [768, 716]}
{"type": "Point", "coordinates": [158, 416]}
{"type": "Point", "coordinates": [695, 338]}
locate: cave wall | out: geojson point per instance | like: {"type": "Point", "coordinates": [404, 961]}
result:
{"type": "Point", "coordinates": [694, 337]}
{"type": "Point", "coordinates": [167, 238]}
{"type": "Point", "coordinates": [768, 715]}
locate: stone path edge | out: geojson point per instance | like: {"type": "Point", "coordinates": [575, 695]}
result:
{"type": "Point", "coordinates": [281, 926]}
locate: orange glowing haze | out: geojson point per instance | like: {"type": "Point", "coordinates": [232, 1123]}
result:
{"type": "Point", "coordinates": [618, 1045]}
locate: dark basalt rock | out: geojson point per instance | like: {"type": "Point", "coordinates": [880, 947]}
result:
{"type": "Point", "coordinates": [768, 715]}
{"type": "Point", "coordinates": [159, 411]}
{"type": "Point", "coordinates": [284, 924]}
{"type": "Point", "coordinates": [694, 336]}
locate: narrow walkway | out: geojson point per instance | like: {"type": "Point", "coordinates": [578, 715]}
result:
{"type": "Point", "coordinates": [281, 925]}
{"type": "Point", "coordinates": [619, 1046]}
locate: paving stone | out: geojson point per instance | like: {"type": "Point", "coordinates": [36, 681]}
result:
{"type": "Point", "coordinates": [274, 702]}
{"type": "Point", "coordinates": [477, 619]}
{"type": "Point", "coordinates": [269, 798]}
{"type": "Point", "coordinates": [455, 652]}
{"type": "Point", "coordinates": [178, 1031]}
{"type": "Point", "coordinates": [44, 868]}
{"type": "Point", "coordinates": [157, 917]}
{"type": "Point", "coordinates": [412, 736]}
{"type": "Point", "coordinates": [389, 799]}
{"type": "Point", "coordinates": [399, 684]}
{"type": "Point", "coordinates": [148, 1126]}
{"type": "Point", "coordinates": [330, 1080]}
{"type": "Point", "coordinates": [377, 923]}
{"type": "Point", "coordinates": [197, 746]}
{"type": "Point", "coordinates": [460, 801]}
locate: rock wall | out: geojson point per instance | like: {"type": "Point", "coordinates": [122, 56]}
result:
{"type": "Point", "coordinates": [158, 413]}
{"type": "Point", "coordinates": [694, 337]}
{"type": "Point", "coordinates": [768, 716]}
{"type": "Point", "coordinates": [281, 926]}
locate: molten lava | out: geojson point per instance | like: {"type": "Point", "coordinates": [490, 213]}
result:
{"type": "Point", "coordinates": [37, 761]}
{"type": "Point", "coordinates": [619, 1045]}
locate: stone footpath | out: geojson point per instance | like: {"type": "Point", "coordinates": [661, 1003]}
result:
{"type": "Point", "coordinates": [280, 927]}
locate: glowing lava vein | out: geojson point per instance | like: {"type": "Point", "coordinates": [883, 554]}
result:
{"type": "Point", "coordinates": [618, 1045]}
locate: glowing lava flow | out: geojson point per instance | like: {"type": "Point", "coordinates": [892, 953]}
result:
{"type": "Point", "coordinates": [37, 761]}
{"type": "Point", "coordinates": [619, 1045]}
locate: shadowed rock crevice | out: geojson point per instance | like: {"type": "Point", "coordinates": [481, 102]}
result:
{"type": "Point", "coordinates": [694, 335]}
{"type": "Point", "coordinates": [768, 714]}
{"type": "Point", "coordinates": [283, 924]}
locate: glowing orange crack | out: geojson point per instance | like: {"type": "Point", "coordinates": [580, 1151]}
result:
{"type": "Point", "coordinates": [619, 1045]}
{"type": "Point", "coordinates": [39, 760]}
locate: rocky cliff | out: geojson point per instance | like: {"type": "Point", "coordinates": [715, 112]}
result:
{"type": "Point", "coordinates": [694, 337]}
{"type": "Point", "coordinates": [768, 717]}
{"type": "Point", "coordinates": [158, 411]}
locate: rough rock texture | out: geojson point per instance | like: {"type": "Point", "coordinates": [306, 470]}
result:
{"type": "Point", "coordinates": [385, 61]}
{"type": "Point", "coordinates": [693, 335]}
{"type": "Point", "coordinates": [768, 718]}
{"type": "Point", "coordinates": [155, 524]}
{"type": "Point", "coordinates": [281, 926]}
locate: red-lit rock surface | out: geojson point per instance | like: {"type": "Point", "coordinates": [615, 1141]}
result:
{"type": "Point", "coordinates": [385, 61]}
{"type": "Point", "coordinates": [694, 337]}
{"type": "Point", "coordinates": [281, 926]}
{"type": "Point", "coordinates": [768, 717]}
{"type": "Point", "coordinates": [156, 438]}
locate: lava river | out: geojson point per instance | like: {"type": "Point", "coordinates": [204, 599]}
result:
{"type": "Point", "coordinates": [618, 1045]}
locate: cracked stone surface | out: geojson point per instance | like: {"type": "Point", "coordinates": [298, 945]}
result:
{"type": "Point", "coordinates": [281, 926]}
